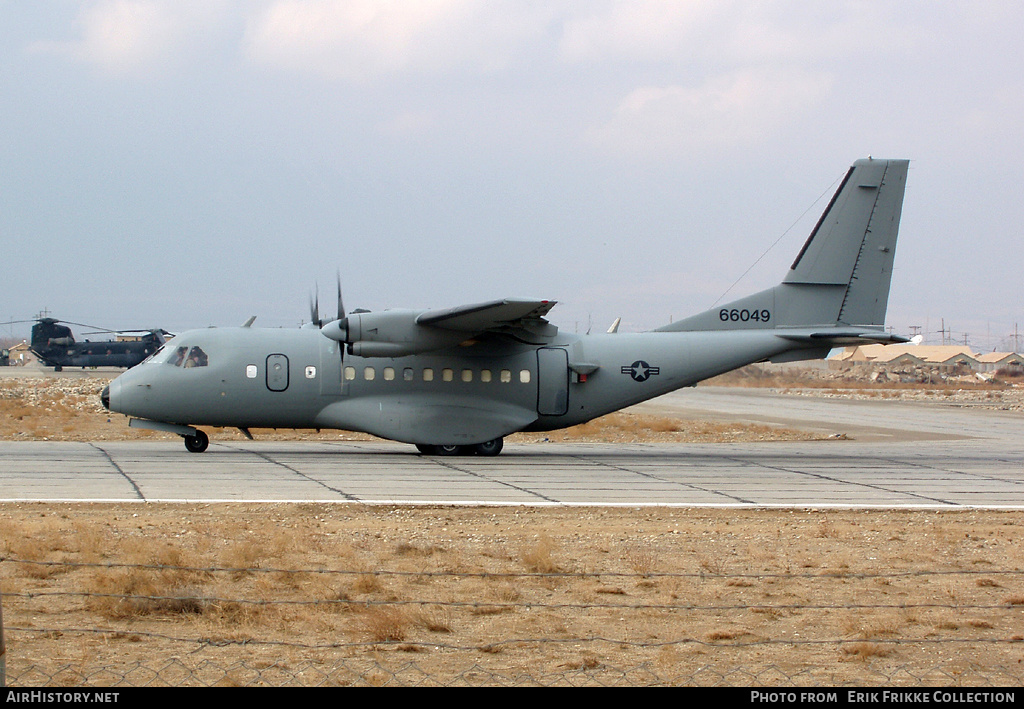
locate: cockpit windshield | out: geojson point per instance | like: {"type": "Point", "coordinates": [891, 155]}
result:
{"type": "Point", "coordinates": [196, 358]}
{"type": "Point", "coordinates": [180, 356]}
{"type": "Point", "coordinates": [156, 356]}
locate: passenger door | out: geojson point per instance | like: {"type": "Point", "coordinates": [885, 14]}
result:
{"type": "Point", "coordinates": [277, 372]}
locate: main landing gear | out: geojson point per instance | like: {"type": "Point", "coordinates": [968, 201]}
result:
{"type": "Point", "coordinates": [197, 443]}
{"type": "Point", "coordinates": [488, 448]}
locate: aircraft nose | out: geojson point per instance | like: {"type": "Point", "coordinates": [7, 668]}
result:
{"type": "Point", "coordinates": [105, 397]}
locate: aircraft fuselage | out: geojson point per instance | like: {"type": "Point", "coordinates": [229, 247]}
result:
{"type": "Point", "coordinates": [261, 378]}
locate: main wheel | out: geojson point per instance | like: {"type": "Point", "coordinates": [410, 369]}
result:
{"type": "Point", "coordinates": [449, 450]}
{"type": "Point", "coordinates": [489, 447]}
{"type": "Point", "coordinates": [453, 449]}
{"type": "Point", "coordinates": [197, 443]}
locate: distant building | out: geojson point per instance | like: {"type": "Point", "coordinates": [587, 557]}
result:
{"type": "Point", "coordinates": [994, 361]}
{"type": "Point", "coordinates": [20, 354]}
{"type": "Point", "coordinates": [945, 357]}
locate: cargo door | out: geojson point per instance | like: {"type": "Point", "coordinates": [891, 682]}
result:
{"type": "Point", "coordinates": [552, 381]}
{"type": "Point", "coordinates": [330, 368]}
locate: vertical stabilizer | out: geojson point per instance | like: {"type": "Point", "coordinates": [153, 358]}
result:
{"type": "Point", "coordinates": [854, 242]}
{"type": "Point", "coordinates": [841, 275]}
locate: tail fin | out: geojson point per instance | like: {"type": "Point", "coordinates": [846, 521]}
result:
{"type": "Point", "coordinates": [841, 275]}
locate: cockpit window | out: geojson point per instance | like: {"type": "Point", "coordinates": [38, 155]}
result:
{"type": "Point", "coordinates": [181, 356]}
{"type": "Point", "coordinates": [196, 358]}
{"type": "Point", "coordinates": [157, 356]}
{"type": "Point", "coordinates": [178, 358]}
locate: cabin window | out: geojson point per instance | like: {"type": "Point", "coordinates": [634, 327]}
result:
{"type": "Point", "coordinates": [251, 370]}
{"type": "Point", "coordinates": [485, 375]}
{"type": "Point", "coordinates": [350, 373]}
{"type": "Point", "coordinates": [467, 375]}
{"type": "Point", "coordinates": [389, 374]}
{"type": "Point", "coordinates": [447, 374]}
{"type": "Point", "coordinates": [407, 374]}
{"type": "Point", "coordinates": [524, 376]}
{"type": "Point", "coordinates": [310, 372]}
{"type": "Point", "coordinates": [506, 376]}
{"type": "Point", "coordinates": [428, 375]}
{"type": "Point", "coordinates": [369, 374]}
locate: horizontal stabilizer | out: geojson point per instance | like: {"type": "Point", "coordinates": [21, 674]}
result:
{"type": "Point", "coordinates": [840, 338]}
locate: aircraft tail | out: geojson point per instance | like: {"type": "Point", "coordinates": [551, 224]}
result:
{"type": "Point", "coordinates": [841, 276]}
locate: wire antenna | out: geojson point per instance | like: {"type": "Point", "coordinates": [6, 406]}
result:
{"type": "Point", "coordinates": [782, 236]}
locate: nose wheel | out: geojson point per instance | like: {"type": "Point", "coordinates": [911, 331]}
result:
{"type": "Point", "coordinates": [197, 443]}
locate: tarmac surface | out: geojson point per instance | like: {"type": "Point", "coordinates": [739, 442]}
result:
{"type": "Point", "coordinates": [888, 454]}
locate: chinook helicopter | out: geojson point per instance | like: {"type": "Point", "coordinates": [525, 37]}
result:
{"type": "Point", "coordinates": [55, 346]}
{"type": "Point", "coordinates": [456, 381]}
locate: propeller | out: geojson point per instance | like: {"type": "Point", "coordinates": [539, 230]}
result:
{"type": "Point", "coordinates": [341, 305]}
{"type": "Point", "coordinates": [314, 306]}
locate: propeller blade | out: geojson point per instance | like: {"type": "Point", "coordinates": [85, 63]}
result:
{"type": "Point", "coordinates": [314, 308]}
{"type": "Point", "coordinates": [341, 305]}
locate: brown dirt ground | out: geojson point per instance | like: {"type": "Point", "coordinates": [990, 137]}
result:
{"type": "Point", "coordinates": [497, 595]}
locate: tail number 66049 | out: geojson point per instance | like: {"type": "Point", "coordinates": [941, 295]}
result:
{"type": "Point", "coordinates": [736, 315]}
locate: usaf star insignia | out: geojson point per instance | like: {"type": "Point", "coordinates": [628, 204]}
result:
{"type": "Point", "coordinates": [640, 370]}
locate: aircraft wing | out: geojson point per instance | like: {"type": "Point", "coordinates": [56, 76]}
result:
{"type": "Point", "coordinates": [498, 316]}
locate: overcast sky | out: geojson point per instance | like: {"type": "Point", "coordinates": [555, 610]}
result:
{"type": "Point", "coordinates": [177, 164]}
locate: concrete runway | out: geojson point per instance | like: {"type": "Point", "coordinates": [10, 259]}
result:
{"type": "Point", "coordinates": [902, 455]}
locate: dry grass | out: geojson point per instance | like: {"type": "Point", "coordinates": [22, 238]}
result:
{"type": "Point", "coordinates": [62, 409]}
{"type": "Point", "coordinates": [749, 577]}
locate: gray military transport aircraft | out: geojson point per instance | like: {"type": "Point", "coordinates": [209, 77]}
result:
{"type": "Point", "coordinates": [456, 381]}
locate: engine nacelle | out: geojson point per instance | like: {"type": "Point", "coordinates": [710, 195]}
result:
{"type": "Point", "coordinates": [390, 333]}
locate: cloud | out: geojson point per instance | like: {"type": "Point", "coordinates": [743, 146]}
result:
{"type": "Point", "coordinates": [639, 30]}
{"type": "Point", "coordinates": [360, 40]}
{"type": "Point", "coordinates": [725, 32]}
{"type": "Point", "coordinates": [136, 37]}
{"type": "Point", "coordinates": [726, 111]}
